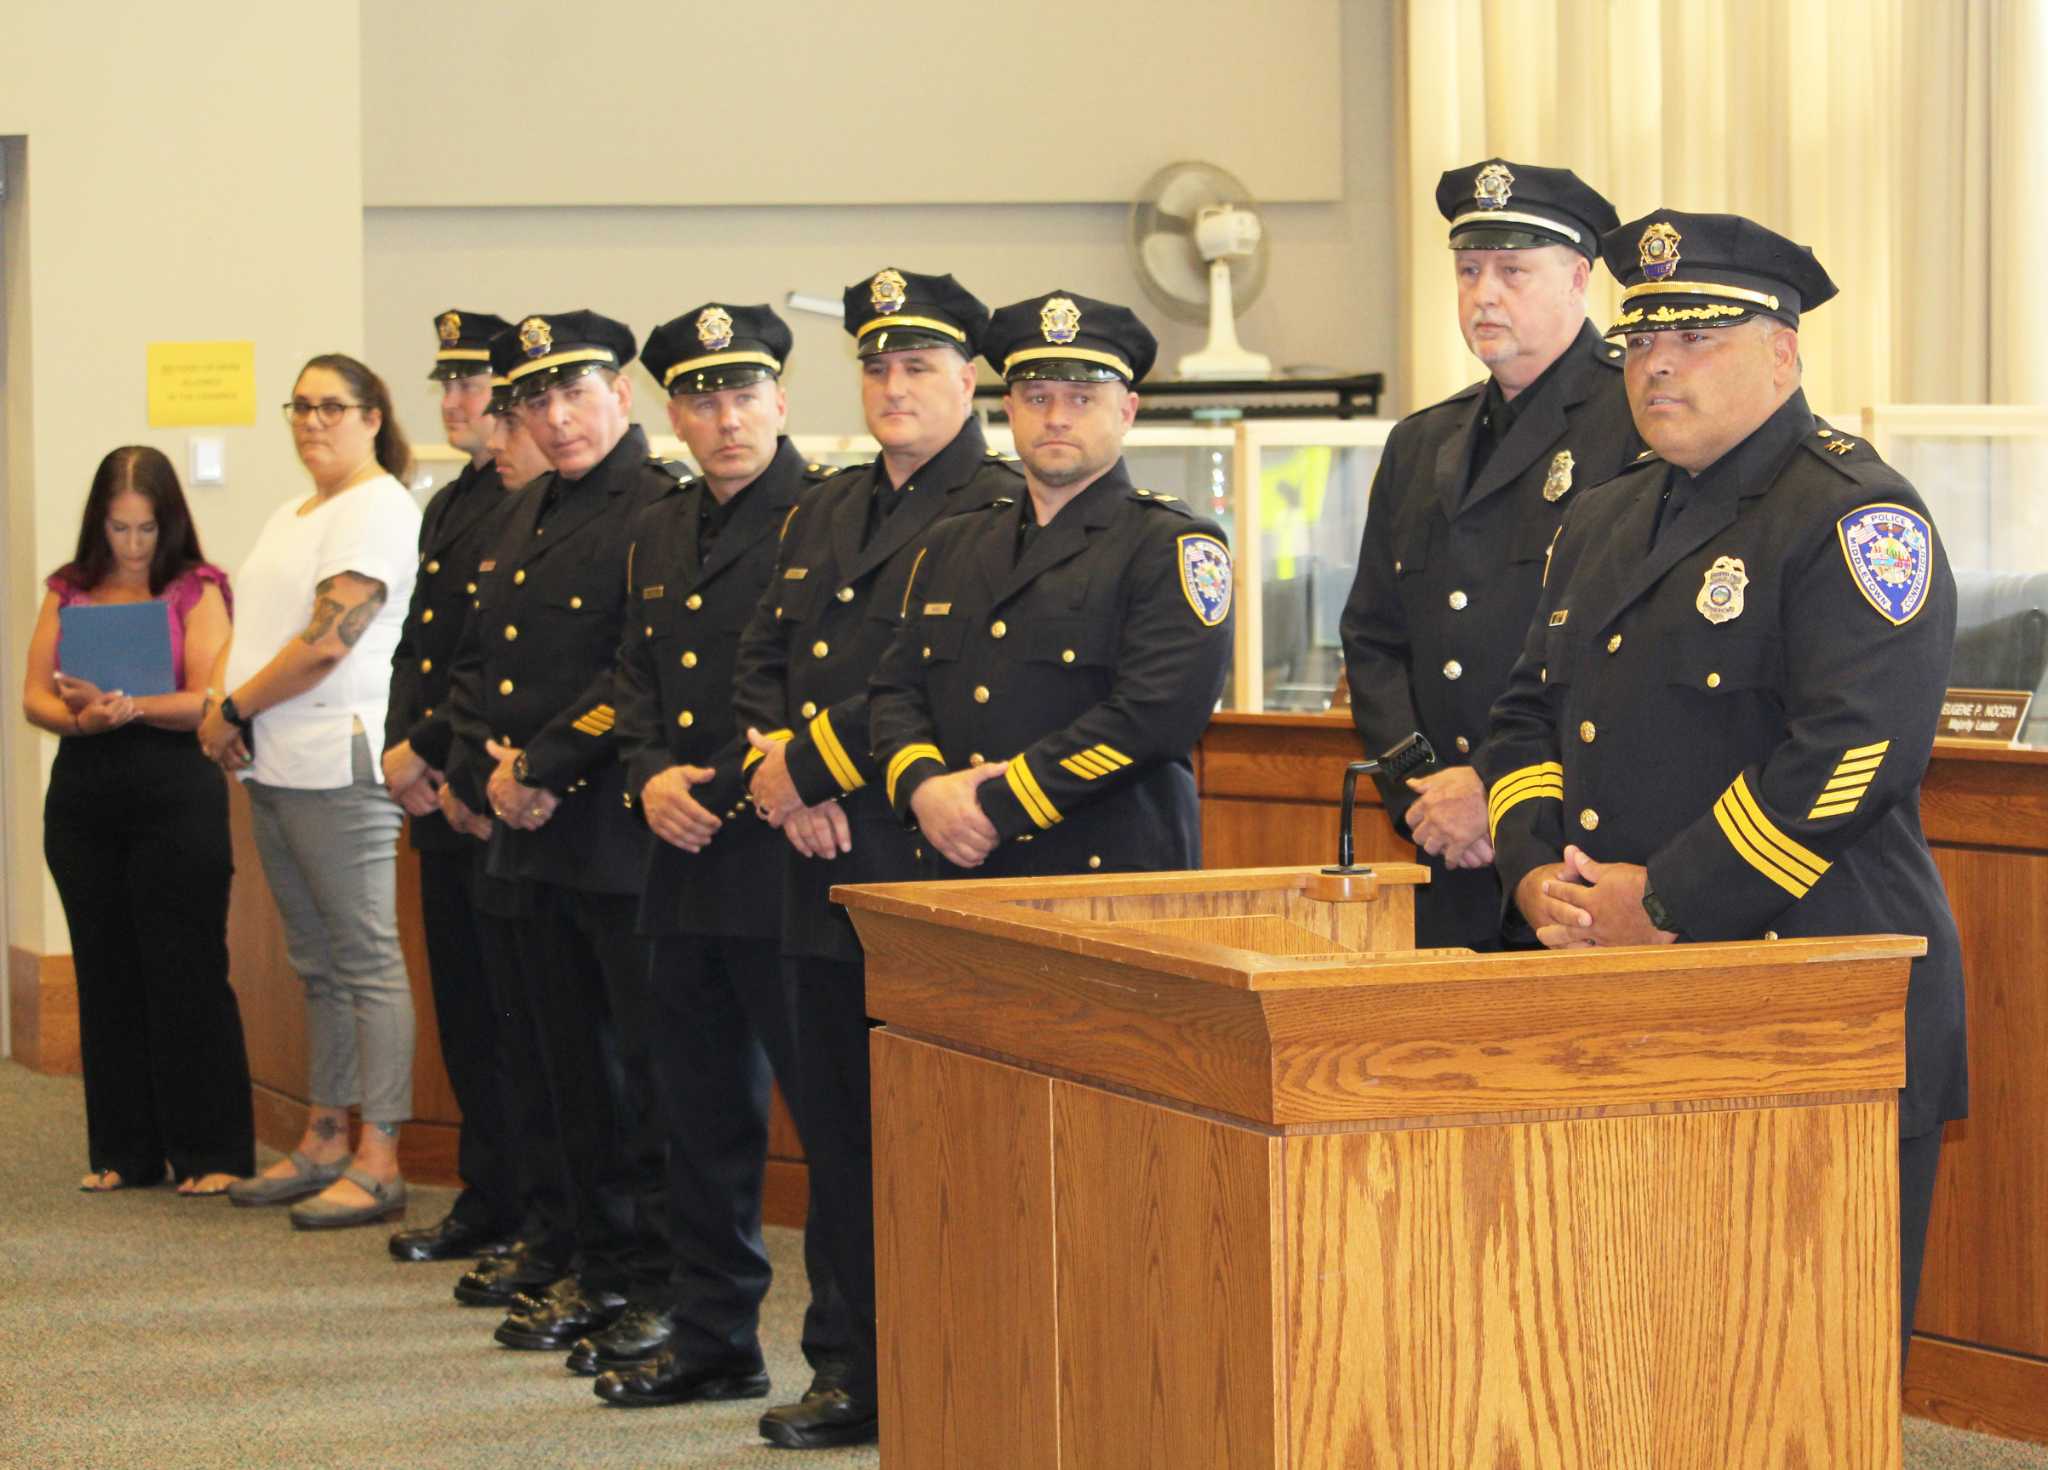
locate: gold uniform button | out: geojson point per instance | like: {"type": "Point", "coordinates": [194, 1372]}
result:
{"type": "Point", "coordinates": [977, 759]}
{"type": "Point", "coordinates": [433, 566]}
{"type": "Point", "coordinates": [1543, 674]}
{"type": "Point", "coordinates": [1713, 681]}
{"type": "Point", "coordinates": [1094, 861]}
{"type": "Point", "coordinates": [519, 576]}
{"type": "Point", "coordinates": [809, 710]}
{"type": "Point", "coordinates": [1614, 644]}
{"type": "Point", "coordinates": [981, 694]}
{"type": "Point", "coordinates": [1464, 745]}
{"type": "Point", "coordinates": [510, 632]}
{"type": "Point", "coordinates": [650, 630]}
{"type": "Point", "coordinates": [689, 659]}
{"type": "Point", "coordinates": [1458, 600]}
{"type": "Point", "coordinates": [998, 629]}
{"type": "Point", "coordinates": [927, 650]}
{"type": "Point", "coordinates": [575, 602]}
{"type": "Point", "coordinates": [1770, 934]}
{"type": "Point", "coordinates": [693, 601]}
{"type": "Point", "coordinates": [1066, 655]}
{"type": "Point", "coordinates": [1397, 565]}
{"type": "Point", "coordinates": [505, 686]}
{"type": "Point", "coordinates": [820, 648]}
{"type": "Point", "coordinates": [430, 712]}
{"type": "Point", "coordinates": [686, 719]}
{"type": "Point", "coordinates": [470, 588]}
{"type": "Point", "coordinates": [1589, 819]}
{"type": "Point", "coordinates": [427, 616]}
{"type": "Point", "coordinates": [1454, 670]}
{"type": "Point", "coordinates": [844, 594]}
{"type": "Point", "coordinates": [1587, 731]}
{"type": "Point", "coordinates": [426, 666]}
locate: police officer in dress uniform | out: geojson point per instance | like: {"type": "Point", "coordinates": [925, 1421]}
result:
{"type": "Point", "coordinates": [701, 559]}
{"type": "Point", "coordinates": [1729, 692]}
{"type": "Point", "coordinates": [540, 1254]}
{"type": "Point", "coordinates": [534, 713]}
{"type": "Point", "coordinates": [801, 689]}
{"type": "Point", "coordinates": [485, 1217]}
{"type": "Point", "coordinates": [1064, 648]}
{"type": "Point", "coordinates": [1466, 499]}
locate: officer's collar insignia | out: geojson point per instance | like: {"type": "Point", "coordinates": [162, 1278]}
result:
{"type": "Point", "coordinates": [1558, 483]}
{"type": "Point", "coordinates": [449, 325]}
{"type": "Point", "coordinates": [1658, 251]}
{"type": "Point", "coordinates": [1205, 577]}
{"type": "Point", "coordinates": [888, 293]}
{"type": "Point", "coordinates": [1060, 320]}
{"type": "Point", "coordinates": [714, 328]}
{"type": "Point", "coordinates": [1493, 186]}
{"type": "Point", "coordinates": [1720, 599]}
{"type": "Point", "coordinates": [653, 591]}
{"type": "Point", "coordinates": [536, 338]}
{"type": "Point", "coordinates": [1890, 554]}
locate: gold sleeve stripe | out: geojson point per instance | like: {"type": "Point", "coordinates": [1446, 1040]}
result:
{"type": "Point", "coordinates": [1543, 779]}
{"type": "Point", "coordinates": [1111, 754]}
{"type": "Point", "coordinates": [1760, 843]}
{"type": "Point", "coordinates": [1850, 768]}
{"type": "Point", "coordinates": [1852, 778]}
{"type": "Point", "coordinates": [748, 761]}
{"type": "Point", "coordinates": [904, 759]}
{"type": "Point", "coordinates": [1834, 809]}
{"type": "Point", "coordinates": [596, 721]}
{"type": "Point", "coordinates": [1088, 765]}
{"type": "Point", "coordinates": [1029, 794]}
{"type": "Point", "coordinates": [836, 759]}
{"type": "Point", "coordinates": [1862, 750]}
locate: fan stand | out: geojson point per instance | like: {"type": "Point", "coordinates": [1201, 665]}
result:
{"type": "Point", "coordinates": [1222, 356]}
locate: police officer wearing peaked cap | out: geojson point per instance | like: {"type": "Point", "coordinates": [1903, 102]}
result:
{"type": "Point", "coordinates": [1466, 498]}
{"type": "Point", "coordinates": [1063, 652]}
{"type": "Point", "coordinates": [701, 560]}
{"type": "Point", "coordinates": [802, 685]}
{"type": "Point", "coordinates": [1770, 587]}
{"type": "Point", "coordinates": [535, 709]}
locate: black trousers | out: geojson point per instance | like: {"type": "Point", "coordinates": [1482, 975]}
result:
{"type": "Point", "coordinates": [526, 1098]}
{"type": "Point", "coordinates": [724, 1028]}
{"type": "Point", "coordinates": [465, 1010]}
{"type": "Point", "coordinates": [584, 975]}
{"type": "Point", "coordinates": [834, 1117]}
{"type": "Point", "coordinates": [135, 829]}
{"type": "Point", "coordinates": [1919, 1162]}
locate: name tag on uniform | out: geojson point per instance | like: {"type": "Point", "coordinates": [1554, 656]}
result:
{"type": "Point", "coordinates": [937, 609]}
{"type": "Point", "coordinates": [487, 566]}
{"type": "Point", "coordinates": [796, 574]}
{"type": "Point", "coordinates": [651, 593]}
{"type": "Point", "coordinates": [1557, 618]}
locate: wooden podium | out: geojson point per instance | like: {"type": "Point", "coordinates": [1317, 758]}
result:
{"type": "Point", "coordinates": [1199, 1169]}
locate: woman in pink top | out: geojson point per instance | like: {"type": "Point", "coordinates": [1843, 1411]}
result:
{"type": "Point", "coordinates": [135, 829]}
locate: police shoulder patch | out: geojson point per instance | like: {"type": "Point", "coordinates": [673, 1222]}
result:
{"type": "Point", "coordinates": [1889, 549]}
{"type": "Point", "coordinates": [1205, 577]}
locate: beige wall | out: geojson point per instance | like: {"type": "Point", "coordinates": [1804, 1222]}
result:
{"type": "Point", "coordinates": [1328, 303]}
{"type": "Point", "coordinates": [193, 172]}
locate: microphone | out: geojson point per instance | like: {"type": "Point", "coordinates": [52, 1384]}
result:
{"type": "Point", "coordinates": [1413, 753]}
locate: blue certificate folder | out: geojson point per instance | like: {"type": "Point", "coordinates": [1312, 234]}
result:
{"type": "Point", "coordinates": [124, 646]}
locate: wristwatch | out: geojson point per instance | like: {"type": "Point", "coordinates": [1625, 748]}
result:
{"type": "Point", "coordinates": [230, 712]}
{"type": "Point", "coordinates": [1660, 914]}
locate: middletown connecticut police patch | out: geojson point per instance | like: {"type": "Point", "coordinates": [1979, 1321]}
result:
{"type": "Point", "coordinates": [1205, 577]}
{"type": "Point", "coordinates": [1890, 554]}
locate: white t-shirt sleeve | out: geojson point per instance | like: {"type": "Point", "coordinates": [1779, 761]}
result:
{"type": "Point", "coordinates": [370, 534]}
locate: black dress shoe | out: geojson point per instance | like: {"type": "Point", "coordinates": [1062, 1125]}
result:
{"type": "Point", "coordinates": [498, 1281]}
{"type": "Point", "coordinates": [451, 1240]}
{"type": "Point", "coordinates": [634, 1338]}
{"type": "Point", "coordinates": [554, 1324]}
{"type": "Point", "coordinates": [826, 1375]}
{"type": "Point", "coordinates": [830, 1419]}
{"type": "Point", "coordinates": [672, 1378]}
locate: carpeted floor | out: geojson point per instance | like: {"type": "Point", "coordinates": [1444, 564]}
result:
{"type": "Point", "coordinates": [140, 1329]}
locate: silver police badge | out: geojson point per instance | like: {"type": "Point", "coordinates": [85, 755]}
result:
{"type": "Point", "coordinates": [1558, 483]}
{"type": "Point", "coordinates": [1060, 320]}
{"type": "Point", "coordinates": [714, 328]}
{"type": "Point", "coordinates": [449, 325]}
{"type": "Point", "coordinates": [1720, 598]}
{"type": "Point", "coordinates": [1493, 186]}
{"type": "Point", "coordinates": [888, 293]}
{"type": "Point", "coordinates": [535, 336]}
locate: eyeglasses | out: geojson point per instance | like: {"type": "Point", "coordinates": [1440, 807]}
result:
{"type": "Point", "coordinates": [329, 413]}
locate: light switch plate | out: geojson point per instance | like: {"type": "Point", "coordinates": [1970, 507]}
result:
{"type": "Point", "coordinates": [206, 461]}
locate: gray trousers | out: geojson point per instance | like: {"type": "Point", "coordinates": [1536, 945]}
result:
{"type": "Point", "coordinates": [331, 858]}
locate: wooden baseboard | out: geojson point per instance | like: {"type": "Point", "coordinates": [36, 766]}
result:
{"type": "Point", "coordinates": [43, 996]}
{"type": "Point", "coordinates": [1976, 1388]}
{"type": "Point", "coordinates": [426, 1151]}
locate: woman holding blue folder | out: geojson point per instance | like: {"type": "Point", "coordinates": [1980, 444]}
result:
{"type": "Point", "coordinates": [135, 829]}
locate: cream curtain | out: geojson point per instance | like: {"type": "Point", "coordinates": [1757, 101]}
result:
{"type": "Point", "coordinates": [1901, 139]}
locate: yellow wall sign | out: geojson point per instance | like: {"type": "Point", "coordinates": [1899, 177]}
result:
{"type": "Point", "coordinates": [201, 384]}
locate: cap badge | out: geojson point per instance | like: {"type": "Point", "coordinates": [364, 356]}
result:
{"type": "Point", "coordinates": [1060, 320]}
{"type": "Point", "coordinates": [888, 292]}
{"type": "Point", "coordinates": [1658, 251]}
{"type": "Point", "coordinates": [535, 337]}
{"type": "Point", "coordinates": [1720, 599]}
{"type": "Point", "coordinates": [449, 325]}
{"type": "Point", "coordinates": [1493, 186]}
{"type": "Point", "coordinates": [714, 328]}
{"type": "Point", "coordinates": [1558, 483]}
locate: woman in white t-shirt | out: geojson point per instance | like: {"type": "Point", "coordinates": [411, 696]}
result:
{"type": "Point", "coordinates": [294, 703]}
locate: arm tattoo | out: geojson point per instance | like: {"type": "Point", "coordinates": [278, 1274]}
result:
{"type": "Point", "coordinates": [325, 611]}
{"type": "Point", "coordinates": [326, 1128]}
{"type": "Point", "coordinates": [359, 617]}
